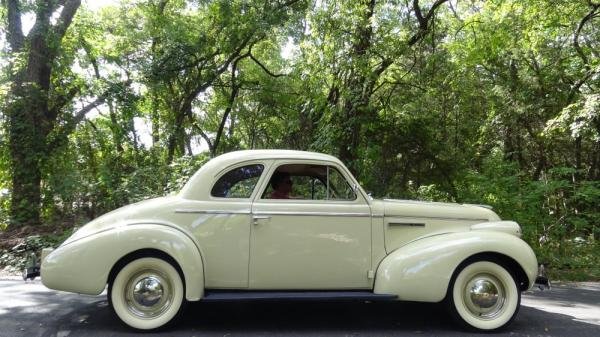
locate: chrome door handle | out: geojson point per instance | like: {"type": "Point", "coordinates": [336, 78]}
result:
{"type": "Point", "coordinates": [260, 217]}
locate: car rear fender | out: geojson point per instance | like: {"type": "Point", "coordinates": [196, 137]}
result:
{"type": "Point", "coordinates": [83, 266]}
{"type": "Point", "coordinates": [421, 270]}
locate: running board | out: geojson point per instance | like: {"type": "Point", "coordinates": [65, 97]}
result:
{"type": "Point", "coordinates": [221, 295]}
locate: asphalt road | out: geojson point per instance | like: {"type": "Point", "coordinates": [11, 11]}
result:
{"type": "Point", "coordinates": [29, 309]}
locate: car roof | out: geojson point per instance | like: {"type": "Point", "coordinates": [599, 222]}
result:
{"type": "Point", "coordinates": [244, 155]}
{"type": "Point", "coordinates": [197, 187]}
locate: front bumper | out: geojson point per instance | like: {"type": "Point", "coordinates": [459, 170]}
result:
{"type": "Point", "coordinates": [542, 281]}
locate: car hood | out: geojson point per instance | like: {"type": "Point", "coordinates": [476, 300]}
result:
{"type": "Point", "coordinates": [146, 211]}
{"type": "Point", "coordinates": [440, 210]}
{"type": "Point", "coordinates": [406, 220]}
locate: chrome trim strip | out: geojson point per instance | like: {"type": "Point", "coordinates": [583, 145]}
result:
{"type": "Point", "coordinates": [203, 211]}
{"type": "Point", "coordinates": [421, 202]}
{"type": "Point", "coordinates": [407, 224]}
{"type": "Point", "coordinates": [434, 217]}
{"type": "Point", "coordinates": [347, 214]}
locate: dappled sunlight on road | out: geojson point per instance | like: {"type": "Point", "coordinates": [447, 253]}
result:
{"type": "Point", "coordinates": [33, 310]}
{"type": "Point", "coordinates": [583, 307]}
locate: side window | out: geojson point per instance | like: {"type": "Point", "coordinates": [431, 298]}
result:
{"type": "Point", "coordinates": [237, 183]}
{"type": "Point", "coordinates": [338, 187]}
{"type": "Point", "coordinates": [308, 182]}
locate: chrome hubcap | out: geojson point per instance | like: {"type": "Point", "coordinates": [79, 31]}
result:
{"type": "Point", "coordinates": [148, 294]}
{"type": "Point", "coordinates": [484, 296]}
{"type": "Point", "coordinates": [147, 291]}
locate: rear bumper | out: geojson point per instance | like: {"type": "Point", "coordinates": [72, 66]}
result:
{"type": "Point", "coordinates": [31, 271]}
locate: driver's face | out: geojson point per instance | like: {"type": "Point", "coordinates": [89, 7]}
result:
{"type": "Point", "coordinates": [286, 185]}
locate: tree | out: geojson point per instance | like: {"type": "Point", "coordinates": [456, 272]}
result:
{"type": "Point", "coordinates": [362, 78]}
{"type": "Point", "coordinates": [38, 103]}
{"type": "Point", "coordinates": [191, 51]}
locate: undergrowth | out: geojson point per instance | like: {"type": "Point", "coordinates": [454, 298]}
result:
{"type": "Point", "coordinates": [28, 250]}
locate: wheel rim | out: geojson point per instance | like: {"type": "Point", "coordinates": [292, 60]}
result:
{"type": "Point", "coordinates": [148, 294]}
{"type": "Point", "coordinates": [484, 296]}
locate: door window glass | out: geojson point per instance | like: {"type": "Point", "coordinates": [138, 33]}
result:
{"type": "Point", "coordinates": [238, 183]}
{"type": "Point", "coordinates": [338, 187]}
{"type": "Point", "coordinates": [308, 182]}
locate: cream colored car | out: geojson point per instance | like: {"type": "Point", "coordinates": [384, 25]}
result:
{"type": "Point", "coordinates": [294, 225]}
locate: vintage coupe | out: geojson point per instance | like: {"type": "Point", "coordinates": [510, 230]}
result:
{"type": "Point", "coordinates": [265, 224]}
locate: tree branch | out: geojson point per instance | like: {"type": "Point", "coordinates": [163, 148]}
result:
{"type": "Point", "coordinates": [420, 34]}
{"type": "Point", "coordinates": [15, 28]}
{"type": "Point", "coordinates": [80, 115]}
{"type": "Point", "coordinates": [61, 102]}
{"type": "Point", "coordinates": [577, 85]}
{"type": "Point", "coordinates": [61, 133]}
{"type": "Point", "coordinates": [435, 5]}
{"type": "Point", "coordinates": [201, 86]}
{"type": "Point", "coordinates": [590, 15]}
{"type": "Point", "coordinates": [66, 17]}
{"type": "Point", "coordinates": [186, 104]}
{"type": "Point", "coordinates": [264, 68]}
{"type": "Point", "coordinates": [418, 14]}
{"type": "Point", "coordinates": [423, 20]}
{"type": "Point", "coordinates": [234, 92]}
{"type": "Point", "coordinates": [202, 134]}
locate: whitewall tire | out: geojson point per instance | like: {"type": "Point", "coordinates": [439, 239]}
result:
{"type": "Point", "coordinates": [147, 293]}
{"type": "Point", "coordinates": [484, 296]}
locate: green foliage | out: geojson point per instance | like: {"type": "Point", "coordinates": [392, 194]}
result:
{"type": "Point", "coordinates": [579, 119]}
{"type": "Point", "coordinates": [559, 215]}
{"type": "Point", "coordinates": [554, 208]}
{"type": "Point", "coordinates": [576, 259]}
{"type": "Point", "coordinates": [182, 169]}
{"type": "Point", "coordinates": [494, 102]}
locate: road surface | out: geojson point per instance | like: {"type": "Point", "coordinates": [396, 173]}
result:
{"type": "Point", "coordinates": [29, 309]}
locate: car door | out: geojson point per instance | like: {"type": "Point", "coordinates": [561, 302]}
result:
{"type": "Point", "coordinates": [222, 225]}
{"type": "Point", "coordinates": [320, 238]}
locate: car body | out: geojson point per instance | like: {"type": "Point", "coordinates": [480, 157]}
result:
{"type": "Point", "coordinates": [224, 236]}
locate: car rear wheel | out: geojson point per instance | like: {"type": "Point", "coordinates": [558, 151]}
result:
{"type": "Point", "coordinates": [484, 296]}
{"type": "Point", "coordinates": [147, 293]}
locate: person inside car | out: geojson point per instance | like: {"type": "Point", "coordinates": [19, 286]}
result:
{"type": "Point", "coordinates": [282, 185]}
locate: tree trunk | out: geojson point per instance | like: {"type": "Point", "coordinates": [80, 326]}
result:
{"type": "Point", "coordinates": [155, 120]}
{"type": "Point", "coordinates": [175, 137]}
{"type": "Point", "coordinates": [30, 120]}
{"type": "Point", "coordinates": [26, 149]}
{"type": "Point", "coordinates": [356, 99]}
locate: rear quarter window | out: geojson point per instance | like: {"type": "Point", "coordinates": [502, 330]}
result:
{"type": "Point", "coordinates": [238, 182]}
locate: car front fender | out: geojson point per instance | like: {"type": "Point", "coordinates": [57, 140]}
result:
{"type": "Point", "coordinates": [83, 266]}
{"type": "Point", "coordinates": [421, 270]}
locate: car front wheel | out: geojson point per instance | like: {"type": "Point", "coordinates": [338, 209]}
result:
{"type": "Point", "coordinates": [484, 296]}
{"type": "Point", "coordinates": [147, 293]}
